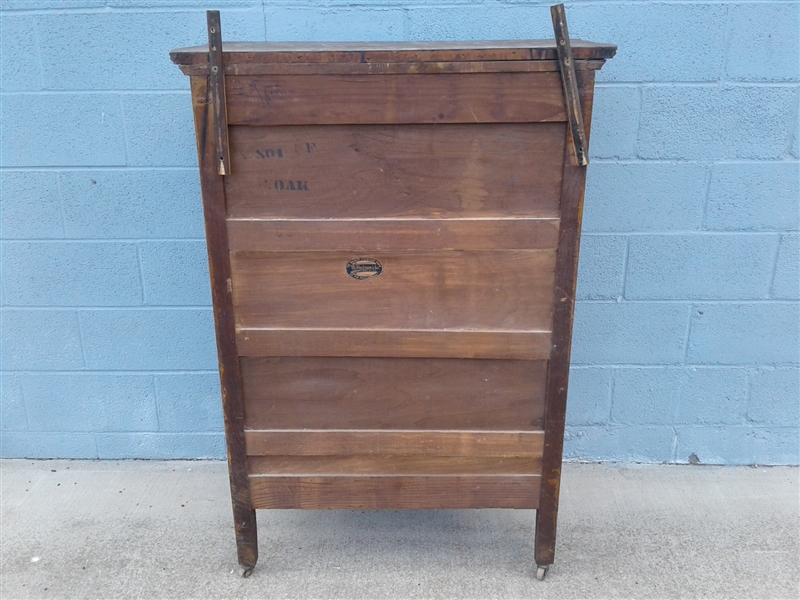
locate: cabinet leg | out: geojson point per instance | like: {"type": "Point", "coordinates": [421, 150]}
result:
{"type": "Point", "coordinates": [246, 539]}
{"type": "Point", "coordinates": [545, 543]}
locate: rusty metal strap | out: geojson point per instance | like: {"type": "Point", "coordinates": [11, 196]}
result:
{"type": "Point", "coordinates": [216, 85]}
{"type": "Point", "coordinates": [570, 84]}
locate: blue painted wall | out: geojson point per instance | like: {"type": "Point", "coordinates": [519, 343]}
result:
{"type": "Point", "coordinates": [686, 332]}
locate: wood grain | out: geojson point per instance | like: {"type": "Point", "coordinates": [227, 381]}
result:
{"type": "Point", "coordinates": [396, 492]}
{"type": "Point", "coordinates": [326, 442]}
{"type": "Point", "coordinates": [326, 53]}
{"type": "Point", "coordinates": [506, 290]}
{"type": "Point", "coordinates": [304, 466]}
{"type": "Point", "coordinates": [510, 345]}
{"type": "Point", "coordinates": [563, 308]}
{"type": "Point", "coordinates": [425, 171]}
{"type": "Point", "coordinates": [385, 393]}
{"type": "Point", "coordinates": [449, 162]}
{"type": "Point", "coordinates": [394, 99]}
{"type": "Point", "coordinates": [349, 67]}
{"type": "Point", "coordinates": [296, 235]}
{"type": "Point", "coordinates": [213, 193]}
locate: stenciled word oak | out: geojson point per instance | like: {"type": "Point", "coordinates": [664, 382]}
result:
{"type": "Point", "coordinates": [393, 237]}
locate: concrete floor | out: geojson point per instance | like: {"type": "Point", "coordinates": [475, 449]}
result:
{"type": "Point", "coordinates": [141, 529]}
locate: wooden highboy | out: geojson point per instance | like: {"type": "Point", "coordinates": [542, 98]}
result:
{"type": "Point", "coordinates": [393, 234]}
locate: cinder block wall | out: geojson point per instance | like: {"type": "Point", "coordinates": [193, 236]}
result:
{"type": "Point", "coordinates": [686, 329]}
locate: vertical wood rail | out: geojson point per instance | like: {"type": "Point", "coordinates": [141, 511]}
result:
{"type": "Point", "coordinates": [571, 209]}
{"type": "Point", "coordinates": [572, 188]}
{"type": "Point", "coordinates": [570, 84]}
{"type": "Point", "coordinates": [209, 121]}
{"type": "Point", "coordinates": [216, 83]}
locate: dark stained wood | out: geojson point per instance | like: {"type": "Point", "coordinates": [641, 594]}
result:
{"type": "Point", "coordinates": [297, 235]}
{"type": "Point", "coordinates": [570, 84]}
{"type": "Point", "coordinates": [213, 193]}
{"type": "Point", "coordinates": [401, 343]}
{"type": "Point", "coordinates": [394, 99]}
{"type": "Point", "coordinates": [396, 492]}
{"type": "Point", "coordinates": [385, 52]}
{"type": "Point", "coordinates": [383, 393]}
{"type": "Point", "coordinates": [558, 367]}
{"type": "Point", "coordinates": [428, 171]}
{"type": "Point", "coordinates": [390, 68]}
{"type": "Point", "coordinates": [354, 464]}
{"type": "Point", "coordinates": [505, 290]}
{"type": "Point", "coordinates": [382, 442]}
{"type": "Point", "coordinates": [447, 167]}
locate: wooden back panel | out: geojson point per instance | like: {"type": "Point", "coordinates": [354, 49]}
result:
{"type": "Point", "coordinates": [508, 290]}
{"type": "Point", "coordinates": [458, 204]}
{"type": "Point", "coordinates": [394, 99]}
{"type": "Point", "coordinates": [393, 393]}
{"type": "Point", "coordinates": [409, 388]}
{"type": "Point", "coordinates": [388, 171]}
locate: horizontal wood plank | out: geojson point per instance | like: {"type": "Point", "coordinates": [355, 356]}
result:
{"type": "Point", "coordinates": [378, 171]}
{"type": "Point", "coordinates": [325, 442]}
{"type": "Point", "coordinates": [392, 393]}
{"type": "Point", "coordinates": [382, 52]}
{"type": "Point", "coordinates": [394, 99]}
{"type": "Point", "coordinates": [513, 345]}
{"type": "Point", "coordinates": [505, 290]}
{"type": "Point", "coordinates": [348, 67]}
{"type": "Point", "coordinates": [403, 492]}
{"type": "Point", "coordinates": [293, 235]}
{"type": "Point", "coordinates": [305, 466]}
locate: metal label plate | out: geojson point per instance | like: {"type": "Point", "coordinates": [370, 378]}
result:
{"type": "Point", "coordinates": [364, 268]}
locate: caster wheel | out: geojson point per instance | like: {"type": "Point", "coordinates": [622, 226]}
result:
{"type": "Point", "coordinates": [541, 571]}
{"type": "Point", "coordinates": [246, 571]}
